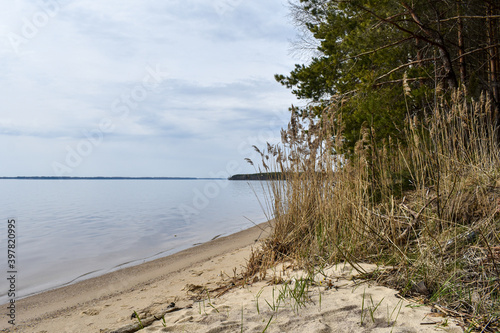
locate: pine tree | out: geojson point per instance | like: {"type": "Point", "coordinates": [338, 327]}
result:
{"type": "Point", "coordinates": [387, 59]}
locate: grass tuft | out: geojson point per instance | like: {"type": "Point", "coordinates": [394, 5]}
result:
{"type": "Point", "coordinates": [427, 205]}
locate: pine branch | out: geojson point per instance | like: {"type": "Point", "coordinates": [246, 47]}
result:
{"type": "Point", "coordinates": [471, 17]}
{"type": "Point", "coordinates": [378, 49]}
{"type": "Point", "coordinates": [405, 65]}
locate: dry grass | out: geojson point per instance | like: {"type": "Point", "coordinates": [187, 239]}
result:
{"type": "Point", "coordinates": [428, 208]}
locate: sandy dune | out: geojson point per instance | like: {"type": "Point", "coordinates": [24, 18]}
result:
{"type": "Point", "coordinates": [333, 304]}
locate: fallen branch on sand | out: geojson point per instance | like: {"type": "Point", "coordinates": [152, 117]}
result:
{"type": "Point", "coordinates": [145, 322]}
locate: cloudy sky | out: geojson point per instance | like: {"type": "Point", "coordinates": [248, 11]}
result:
{"type": "Point", "coordinates": [140, 87]}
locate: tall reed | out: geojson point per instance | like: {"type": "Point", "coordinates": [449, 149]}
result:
{"type": "Point", "coordinates": [427, 206]}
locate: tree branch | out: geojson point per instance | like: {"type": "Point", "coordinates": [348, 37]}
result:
{"type": "Point", "coordinates": [415, 35]}
{"type": "Point", "coordinates": [405, 65]}
{"type": "Point", "coordinates": [378, 49]}
{"type": "Point", "coordinates": [477, 50]}
{"type": "Point", "coordinates": [401, 80]}
{"type": "Point", "coordinates": [470, 17]}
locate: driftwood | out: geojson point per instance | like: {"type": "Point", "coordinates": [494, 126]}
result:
{"type": "Point", "coordinates": [145, 322]}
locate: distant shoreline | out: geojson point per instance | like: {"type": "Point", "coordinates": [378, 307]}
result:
{"type": "Point", "coordinates": [105, 178]}
{"type": "Point", "coordinates": [259, 176]}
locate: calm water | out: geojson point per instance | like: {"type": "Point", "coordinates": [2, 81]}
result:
{"type": "Point", "coordinates": [69, 230]}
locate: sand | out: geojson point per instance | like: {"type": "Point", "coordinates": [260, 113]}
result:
{"type": "Point", "coordinates": [336, 302]}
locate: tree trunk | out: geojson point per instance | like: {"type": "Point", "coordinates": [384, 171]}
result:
{"type": "Point", "coordinates": [493, 61]}
{"type": "Point", "coordinates": [450, 76]}
{"type": "Point", "coordinates": [461, 46]}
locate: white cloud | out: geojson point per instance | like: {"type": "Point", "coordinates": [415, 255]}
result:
{"type": "Point", "coordinates": [219, 58]}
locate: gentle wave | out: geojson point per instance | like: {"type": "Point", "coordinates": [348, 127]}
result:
{"type": "Point", "coordinates": [75, 229]}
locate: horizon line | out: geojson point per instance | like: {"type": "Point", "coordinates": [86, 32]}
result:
{"type": "Point", "coordinates": [106, 178]}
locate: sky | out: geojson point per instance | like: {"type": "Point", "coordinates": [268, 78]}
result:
{"type": "Point", "coordinates": [179, 88]}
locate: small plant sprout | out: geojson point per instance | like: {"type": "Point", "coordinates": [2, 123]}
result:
{"type": "Point", "coordinates": [389, 316]}
{"type": "Point", "coordinates": [210, 302]}
{"type": "Point", "coordinates": [257, 300]}
{"type": "Point", "coordinates": [372, 308]}
{"type": "Point", "coordinates": [268, 323]}
{"type": "Point", "coordinates": [139, 320]}
{"type": "Point", "coordinates": [368, 307]}
{"type": "Point", "coordinates": [241, 320]}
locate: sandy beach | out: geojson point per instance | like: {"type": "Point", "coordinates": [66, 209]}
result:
{"type": "Point", "coordinates": [191, 290]}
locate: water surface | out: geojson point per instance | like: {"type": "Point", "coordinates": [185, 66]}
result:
{"type": "Point", "coordinates": [68, 230]}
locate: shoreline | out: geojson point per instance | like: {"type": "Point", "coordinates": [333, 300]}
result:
{"type": "Point", "coordinates": [92, 274]}
{"type": "Point", "coordinates": [60, 301]}
{"type": "Point", "coordinates": [194, 291]}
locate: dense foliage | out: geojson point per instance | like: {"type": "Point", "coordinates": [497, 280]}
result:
{"type": "Point", "coordinates": [382, 60]}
